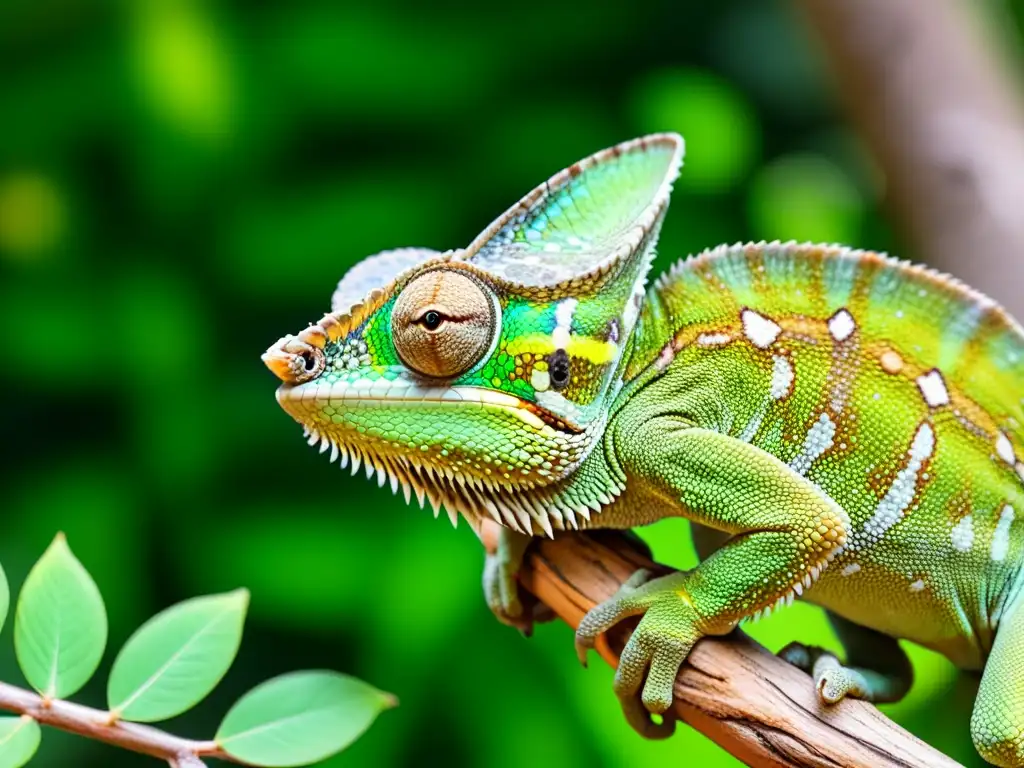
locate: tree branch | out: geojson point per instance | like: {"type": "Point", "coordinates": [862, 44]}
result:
{"type": "Point", "coordinates": [931, 88]}
{"type": "Point", "coordinates": [96, 724]}
{"type": "Point", "coordinates": [756, 706]}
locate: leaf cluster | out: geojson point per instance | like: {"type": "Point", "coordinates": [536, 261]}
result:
{"type": "Point", "coordinates": [170, 664]}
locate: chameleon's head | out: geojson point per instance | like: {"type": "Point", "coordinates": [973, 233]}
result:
{"type": "Point", "coordinates": [472, 376]}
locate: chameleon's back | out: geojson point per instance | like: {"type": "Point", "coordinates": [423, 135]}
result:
{"type": "Point", "coordinates": [896, 390]}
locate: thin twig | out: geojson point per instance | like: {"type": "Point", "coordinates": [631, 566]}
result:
{"type": "Point", "coordinates": [96, 724]}
{"type": "Point", "coordinates": [756, 706]}
{"type": "Point", "coordinates": [187, 761]}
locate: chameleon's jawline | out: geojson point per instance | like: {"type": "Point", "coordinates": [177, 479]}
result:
{"type": "Point", "coordinates": [415, 395]}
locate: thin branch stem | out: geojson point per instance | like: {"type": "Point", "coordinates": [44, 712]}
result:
{"type": "Point", "coordinates": [96, 724]}
{"type": "Point", "coordinates": [187, 761]}
{"type": "Point", "coordinates": [750, 702]}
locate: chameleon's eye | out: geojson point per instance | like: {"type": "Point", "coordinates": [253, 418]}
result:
{"type": "Point", "coordinates": [443, 322]}
{"type": "Point", "coordinates": [432, 320]}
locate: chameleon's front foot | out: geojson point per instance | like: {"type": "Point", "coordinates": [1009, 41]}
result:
{"type": "Point", "coordinates": [659, 645]}
{"type": "Point", "coordinates": [501, 590]}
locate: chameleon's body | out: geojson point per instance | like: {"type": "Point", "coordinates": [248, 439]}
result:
{"type": "Point", "coordinates": [853, 423]}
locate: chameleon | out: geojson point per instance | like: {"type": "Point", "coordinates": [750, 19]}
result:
{"type": "Point", "coordinates": [838, 426]}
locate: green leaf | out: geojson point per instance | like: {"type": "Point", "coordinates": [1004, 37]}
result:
{"type": "Point", "coordinates": [60, 625]}
{"type": "Point", "coordinates": [176, 658]}
{"type": "Point", "coordinates": [19, 740]}
{"type": "Point", "coordinates": [300, 718]}
{"type": "Point", "coordinates": [5, 597]}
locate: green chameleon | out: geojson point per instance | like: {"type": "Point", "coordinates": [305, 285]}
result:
{"type": "Point", "coordinates": [838, 425]}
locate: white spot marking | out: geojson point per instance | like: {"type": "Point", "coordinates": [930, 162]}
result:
{"type": "Point", "coordinates": [851, 569]}
{"type": "Point", "coordinates": [754, 424]}
{"type": "Point", "coordinates": [1004, 449]}
{"type": "Point", "coordinates": [891, 508]}
{"type": "Point", "coordinates": [819, 439]}
{"type": "Point", "coordinates": [667, 355]}
{"type": "Point", "coordinates": [933, 388]}
{"type": "Point", "coordinates": [1001, 538]}
{"type": "Point", "coordinates": [761, 331]}
{"type": "Point", "coordinates": [782, 377]}
{"type": "Point", "coordinates": [841, 325]}
{"type": "Point", "coordinates": [917, 586]}
{"type": "Point", "coordinates": [963, 534]}
{"type": "Point", "coordinates": [563, 322]}
{"type": "Point", "coordinates": [540, 380]}
{"type": "Point", "coordinates": [713, 339]}
{"type": "Point", "coordinates": [564, 311]}
{"type": "Point", "coordinates": [1020, 470]}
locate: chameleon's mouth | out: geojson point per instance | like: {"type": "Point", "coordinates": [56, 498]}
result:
{"type": "Point", "coordinates": [399, 393]}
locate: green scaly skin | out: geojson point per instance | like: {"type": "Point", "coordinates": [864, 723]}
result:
{"type": "Point", "coordinates": [849, 424]}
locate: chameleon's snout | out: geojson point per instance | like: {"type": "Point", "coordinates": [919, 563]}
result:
{"type": "Point", "coordinates": [296, 359]}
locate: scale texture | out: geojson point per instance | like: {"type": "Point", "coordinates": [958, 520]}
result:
{"type": "Point", "coordinates": [839, 426]}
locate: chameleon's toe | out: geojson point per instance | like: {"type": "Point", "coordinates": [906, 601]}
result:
{"type": "Point", "coordinates": [832, 679]}
{"type": "Point", "coordinates": [799, 655]}
{"type": "Point", "coordinates": [501, 590]}
{"type": "Point", "coordinates": [606, 615]}
{"type": "Point", "coordinates": [657, 647]}
{"type": "Point", "coordinates": [639, 718]}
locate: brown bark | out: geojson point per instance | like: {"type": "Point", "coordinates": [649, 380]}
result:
{"type": "Point", "coordinates": [756, 706]}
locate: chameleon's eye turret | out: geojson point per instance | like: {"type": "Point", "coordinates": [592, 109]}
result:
{"type": "Point", "coordinates": [297, 359]}
{"type": "Point", "coordinates": [443, 323]}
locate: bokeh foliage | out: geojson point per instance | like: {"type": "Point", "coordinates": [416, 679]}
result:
{"type": "Point", "coordinates": [182, 182]}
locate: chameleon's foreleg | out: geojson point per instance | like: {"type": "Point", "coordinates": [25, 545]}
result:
{"type": "Point", "coordinates": [878, 668]}
{"type": "Point", "coordinates": [785, 531]}
{"type": "Point", "coordinates": [501, 587]}
{"type": "Point", "coordinates": [997, 724]}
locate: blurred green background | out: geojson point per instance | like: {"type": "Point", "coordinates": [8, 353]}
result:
{"type": "Point", "coordinates": [181, 183]}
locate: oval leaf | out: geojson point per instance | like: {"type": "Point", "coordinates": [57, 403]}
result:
{"type": "Point", "coordinates": [60, 624]}
{"type": "Point", "coordinates": [19, 740]}
{"type": "Point", "coordinates": [176, 658]}
{"type": "Point", "coordinates": [300, 718]}
{"type": "Point", "coordinates": [5, 597]}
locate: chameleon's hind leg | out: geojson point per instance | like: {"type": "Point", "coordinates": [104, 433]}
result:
{"type": "Point", "coordinates": [997, 725]}
{"type": "Point", "coordinates": [877, 668]}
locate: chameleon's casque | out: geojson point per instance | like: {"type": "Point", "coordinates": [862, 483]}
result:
{"type": "Point", "coordinates": [851, 426]}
